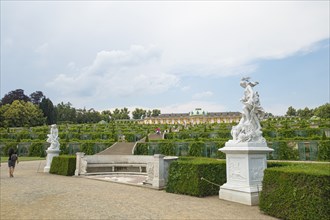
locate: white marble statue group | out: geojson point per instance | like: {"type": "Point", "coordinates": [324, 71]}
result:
{"type": "Point", "coordinates": [53, 138]}
{"type": "Point", "coordinates": [249, 129]}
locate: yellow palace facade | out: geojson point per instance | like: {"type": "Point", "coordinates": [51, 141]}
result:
{"type": "Point", "coordinates": [197, 116]}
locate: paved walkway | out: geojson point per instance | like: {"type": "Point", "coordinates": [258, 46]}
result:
{"type": "Point", "coordinates": [37, 195]}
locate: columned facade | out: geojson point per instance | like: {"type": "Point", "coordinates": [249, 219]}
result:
{"type": "Point", "coordinates": [198, 116]}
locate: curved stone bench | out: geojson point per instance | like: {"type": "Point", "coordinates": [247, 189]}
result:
{"type": "Point", "coordinates": [155, 167]}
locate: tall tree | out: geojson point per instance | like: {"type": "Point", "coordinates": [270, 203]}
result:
{"type": "Point", "coordinates": [139, 113]}
{"type": "Point", "coordinates": [155, 112]}
{"type": "Point", "coordinates": [124, 113]}
{"type": "Point", "coordinates": [22, 114]}
{"type": "Point", "coordinates": [17, 94]}
{"type": "Point", "coordinates": [65, 113]}
{"type": "Point", "coordinates": [305, 113]}
{"type": "Point", "coordinates": [36, 97]}
{"type": "Point", "coordinates": [323, 111]}
{"type": "Point", "coordinates": [291, 112]}
{"type": "Point", "coordinates": [120, 114]}
{"type": "Point", "coordinates": [48, 109]}
{"type": "Point", "coordinates": [105, 115]}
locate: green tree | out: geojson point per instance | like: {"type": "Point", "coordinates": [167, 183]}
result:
{"type": "Point", "coordinates": [66, 113]}
{"type": "Point", "coordinates": [17, 94]}
{"type": "Point", "coordinates": [48, 109]}
{"type": "Point", "coordinates": [291, 112]}
{"type": "Point", "coordinates": [139, 113]}
{"type": "Point", "coordinates": [124, 113]}
{"type": "Point", "coordinates": [36, 97]}
{"type": "Point", "coordinates": [155, 112]}
{"type": "Point", "coordinates": [115, 115]}
{"type": "Point", "coordinates": [305, 113]}
{"type": "Point", "coordinates": [149, 112]}
{"type": "Point", "coordinates": [323, 111]}
{"type": "Point", "coordinates": [22, 114]}
{"type": "Point", "coordinates": [120, 114]}
{"type": "Point", "coordinates": [105, 115]}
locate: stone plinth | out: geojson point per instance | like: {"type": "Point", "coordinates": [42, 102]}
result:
{"type": "Point", "coordinates": [245, 164]}
{"type": "Point", "coordinates": [49, 159]}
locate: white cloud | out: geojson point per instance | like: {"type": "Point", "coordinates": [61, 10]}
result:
{"type": "Point", "coordinates": [118, 73]}
{"type": "Point", "coordinates": [202, 95]}
{"type": "Point", "coordinates": [185, 88]}
{"type": "Point", "coordinates": [42, 49]}
{"type": "Point", "coordinates": [191, 105]}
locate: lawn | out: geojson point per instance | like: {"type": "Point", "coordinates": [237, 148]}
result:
{"type": "Point", "coordinates": [5, 159]}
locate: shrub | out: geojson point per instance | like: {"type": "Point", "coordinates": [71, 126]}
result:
{"type": "Point", "coordinates": [4, 149]}
{"type": "Point", "coordinates": [185, 176]}
{"type": "Point", "coordinates": [141, 149]}
{"type": "Point", "coordinates": [196, 149]}
{"type": "Point", "coordinates": [296, 192]}
{"type": "Point", "coordinates": [63, 165]}
{"type": "Point", "coordinates": [167, 149]}
{"type": "Point", "coordinates": [324, 151]}
{"type": "Point", "coordinates": [37, 149]}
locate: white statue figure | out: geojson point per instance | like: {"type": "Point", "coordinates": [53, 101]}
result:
{"type": "Point", "coordinates": [53, 138]}
{"type": "Point", "coordinates": [249, 129]}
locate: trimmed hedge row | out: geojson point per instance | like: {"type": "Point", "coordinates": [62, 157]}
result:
{"type": "Point", "coordinates": [296, 191]}
{"type": "Point", "coordinates": [324, 151]}
{"type": "Point", "coordinates": [283, 150]}
{"type": "Point", "coordinates": [38, 148]}
{"type": "Point", "coordinates": [63, 165]}
{"type": "Point", "coordinates": [185, 176]}
{"type": "Point", "coordinates": [195, 149]}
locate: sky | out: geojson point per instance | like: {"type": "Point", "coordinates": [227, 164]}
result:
{"type": "Point", "coordinates": [169, 55]}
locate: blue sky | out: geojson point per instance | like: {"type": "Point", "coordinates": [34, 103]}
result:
{"type": "Point", "coordinates": [173, 56]}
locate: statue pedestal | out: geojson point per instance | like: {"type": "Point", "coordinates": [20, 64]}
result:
{"type": "Point", "coordinates": [50, 155]}
{"type": "Point", "coordinates": [245, 164]}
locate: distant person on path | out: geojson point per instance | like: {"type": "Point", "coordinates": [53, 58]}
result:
{"type": "Point", "coordinates": [13, 158]}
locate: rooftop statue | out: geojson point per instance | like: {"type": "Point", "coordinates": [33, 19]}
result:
{"type": "Point", "coordinates": [249, 129]}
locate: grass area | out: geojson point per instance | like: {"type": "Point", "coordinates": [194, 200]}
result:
{"type": "Point", "coordinates": [5, 159]}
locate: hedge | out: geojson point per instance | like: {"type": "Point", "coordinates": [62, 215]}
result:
{"type": "Point", "coordinates": [296, 192]}
{"type": "Point", "coordinates": [171, 148]}
{"type": "Point", "coordinates": [185, 176]}
{"type": "Point", "coordinates": [324, 151]}
{"type": "Point", "coordinates": [63, 165]}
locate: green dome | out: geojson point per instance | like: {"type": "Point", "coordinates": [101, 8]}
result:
{"type": "Point", "coordinates": [198, 111]}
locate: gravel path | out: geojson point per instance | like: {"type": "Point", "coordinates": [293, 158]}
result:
{"type": "Point", "coordinates": [37, 195]}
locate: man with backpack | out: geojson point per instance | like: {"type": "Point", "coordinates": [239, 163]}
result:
{"type": "Point", "coordinates": [13, 158]}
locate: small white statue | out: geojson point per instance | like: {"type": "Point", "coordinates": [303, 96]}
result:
{"type": "Point", "coordinates": [249, 129]}
{"type": "Point", "coordinates": [53, 138]}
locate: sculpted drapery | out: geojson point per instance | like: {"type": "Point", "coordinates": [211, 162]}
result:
{"type": "Point", "coordinates": [249, 129]}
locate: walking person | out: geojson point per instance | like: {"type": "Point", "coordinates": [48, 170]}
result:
{"type": "Point", "coordinates": [13, 158]}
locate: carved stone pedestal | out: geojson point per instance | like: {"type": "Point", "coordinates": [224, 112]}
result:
{"type": "Point", "coordinates": [50, 155]}
{"type": "Point", "coordinates": [245, 163]}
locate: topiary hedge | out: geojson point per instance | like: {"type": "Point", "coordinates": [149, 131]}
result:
{"type": "Point", "coordinates": [63, 165]}
{"type": "Point", "coordinates": [296, 192]}
{"type": "Point", "coordinates": [324, 151]}
{"type": "Point", "coordinates": [185, 176]}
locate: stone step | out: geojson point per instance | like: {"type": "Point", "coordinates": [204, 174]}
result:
{"type": "Point", "coordinates": [119, 148]}
{"type": "Point", "coordinates": [155, 136]}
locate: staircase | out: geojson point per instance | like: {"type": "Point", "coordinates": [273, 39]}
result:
{"type": "Point", "coordinates": [155, 136]}
{"type": "Point", "coordinates": [119, 148]}
{"type": "Point", "coordinates": [125, 148]}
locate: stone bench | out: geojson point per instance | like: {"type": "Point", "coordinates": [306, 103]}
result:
{"type": "Point", "coordinates": [155, 167]}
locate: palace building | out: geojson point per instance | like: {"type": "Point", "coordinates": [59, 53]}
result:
{"type": "Point", "coordinates": [197, 116]}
